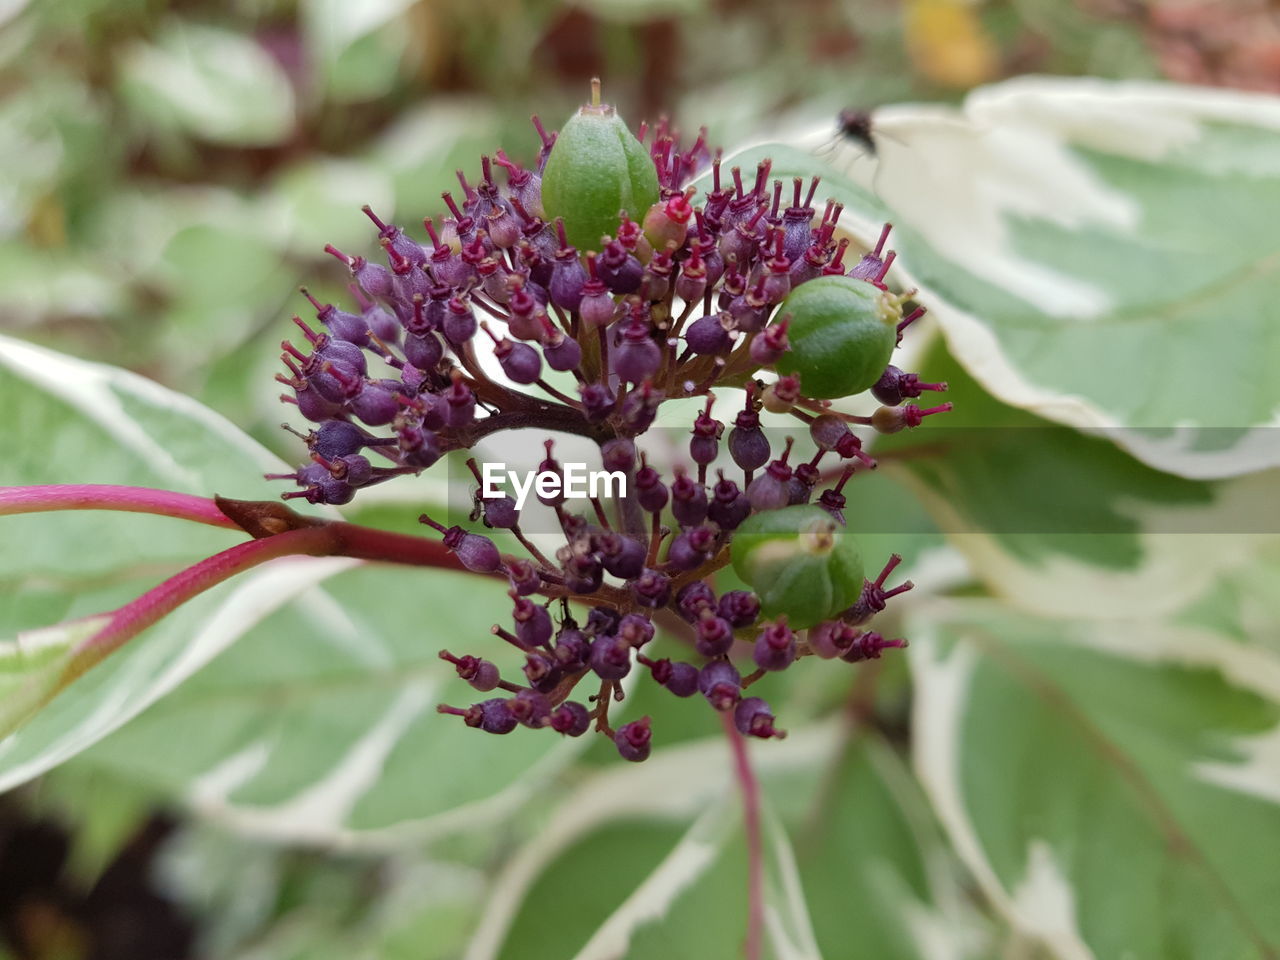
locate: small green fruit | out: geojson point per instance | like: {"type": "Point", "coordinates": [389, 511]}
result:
{"type": "Point", "coordinates": [842, 334]}
{"type": "Point", "coordinates": [800, 562]}
{"type": "Point", "coordinates": [596, 169]}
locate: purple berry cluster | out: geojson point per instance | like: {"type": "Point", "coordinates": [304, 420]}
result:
{"type": "Point", "coordinates": [682, 300]}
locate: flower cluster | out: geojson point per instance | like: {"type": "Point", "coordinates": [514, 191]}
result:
{"type": "Point", "coordinates": [744, 287]}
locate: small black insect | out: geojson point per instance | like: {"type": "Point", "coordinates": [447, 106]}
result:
{"type": "Point", "coordinates": [856, 125]}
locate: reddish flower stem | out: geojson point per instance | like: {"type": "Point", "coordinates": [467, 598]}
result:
{"type": "Point", "coordinates": [750, 788]}
{"type": "Point", "coordinates": [327, 539]}
{"type": "Point", "coordinates": [101, 496]}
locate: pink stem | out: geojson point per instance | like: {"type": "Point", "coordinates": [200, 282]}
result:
{"type": "Point", "coordinates": [750, 787]}
{"type": "Point", "coordinates": [101, 496]}
{"type": "Point", "coordinates": [134, 617]}
{"type": "Point", "coordinates": [327, 539]}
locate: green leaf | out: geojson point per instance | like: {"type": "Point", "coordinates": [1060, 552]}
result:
{"type": "Point", "coordinates": [663, 846]}
{"type": "Point", "coordinates": [1132, 810]}
{"type": "Point", "coordinates": [873, 861]}
{"type": "Point", "coordinates": [1061, 522]}
{"type": "Point", "coordinates": [67, 420]}
{"type": "Point", "coordinates": [274, 902]}
{"type": "Point", "coordinates": [320, 724]}
{"type": "Point", "coordinates": [1100, 254]}
{"type": "Point", "coordinates": [357, 46]}
{"type": "Point", "coordinates": [215, 84]}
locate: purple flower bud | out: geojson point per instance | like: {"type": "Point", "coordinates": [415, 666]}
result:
{"type": "Point", "coordinates": [622, 556]}
{"type": "Point", "coordinates": [524, 577]}
{"type": "Point", "coordinates": [636, 629]}
{"type": "Point", "coordinates": [572, 650]}
{"type": "Point", "coordinates": [637, 357]}
{"type": "Point", "coordinates": [678, 677]}
{"type": "Point", "coordinates": [618, 454]}
{"type": "Point", "coordinates": [867, 646]}
{"type": "Point", "coordinates": [740, 608]}
{"type": "Point", "coordinates": [542, 671]}
{"type": "Point", "coordinates": [769, 491]}
{"type": "Point", "coordinates": [583, 573]}
{"type": "Point", "coordinates": [530, 708]}
{"type": "Point", "coordinates": [796, 220]}
{"type": "Point", "coordinates": [689, 550]}
{"type": "Point", "coordinates": [376, 404]}
{"type": "Point", "coordinates": [460, 402]}
{"type": "Point", "coordinates": [775, 646]}
{"type": "Point", "coordinates": [610, 657]}
{"type": "Point", "coordinates": [894, 386]}
{"type": "Point", "coordinates": [459, 322]}
{"type": "Point", "coordinates": [715, 635]}
{"type": "Point", "coordinates": [338, 438]}
{"type": "Point", "coordinates": [373, 278]}
{"type": "Point", "coordinates": [688, 499]}
{"type": "Point", "coordinates": [475, 552]}
{"type": "Point", "coordinates": [747, 443]}
{"type": "Point", "coordinates": [691, 285]}
{"type": "Point", "coordinates": [424, 352]}
{"type": "Point", "coordinates": [481, 674]}
{"type": "Point", "coordinates": [633, 740]}
{"type": "Point", "coordinates": [640, 408]}
{"type": "Point", "coordinates": [908, 416]}
{"type": "Point", "coordinates": [597, 307]}
{"type": "Point", "coordinates": [560, 350]}
{"type": "Point", "coordinates": [708, 334]}
{"type": "Point", "coordinates": [597, 401]}
{"type": "Point", "coordinates": [693, 598]}
{"type": "Point", "coordinates": [341, 325]}
{"type": "Point", "coordinates": [500, 512]}
{"type": "Point", "coordinates": [602, 620]}
{"type": "Point", "coordinates": [830, 638]}
{"type": "Point", "coordinates": [651, 589]}
{"type": "Point", "coordinates": [620, 271]}
{"type": "Point", "coordinates": [532, 621]}
{"type": "Point", "coordinates": [651, 492]}
{"type": "Point", "coordinates": [568, 277]}
{"type": "Point", "coordinates": [753, 718]}
{"type": "Point", "coordinates": [721, 684]}
{"type": "Point", "coordinates": [491, 716]}
{"type": "Point", "coordinates": [571, 719]}
{"type": "Point", "coordinates": [728, 506]}
{"type": "Point", "coordinates": [770, 344]}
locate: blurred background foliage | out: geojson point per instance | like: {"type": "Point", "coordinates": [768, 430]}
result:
{"type": "Point", "coordinates": [169, 173]}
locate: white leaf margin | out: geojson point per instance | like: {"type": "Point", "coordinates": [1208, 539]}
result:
{"type": "Point", "coordinates": [1176, 569]}
{"type": "Point", "coordinates": [251, 601]}
{"type": "Point", "coordinates": [1001, 126]}
{"type": "Point", "coordinates": [90, 388]}
{"type": "Point", "coordinates": [1042, 906]}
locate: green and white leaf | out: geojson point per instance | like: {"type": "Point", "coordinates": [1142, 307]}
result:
{"type": "Point", "coordinates": [320, 725]}
{"type": "Point", "coordinates": [1101, 254]}
{"type": "Point", "coordinates": [68, 420]}
{"type": "Point", "coordinates": [1113, 788]}
{"type": "Point", "coordinates": [357, 46]}
{"type": "Point", "coordinates": [215, 84]}
{"type": "Point", "coordinates": [649, 861]}
{"type": "Point", "coordinates": [1063, 523]}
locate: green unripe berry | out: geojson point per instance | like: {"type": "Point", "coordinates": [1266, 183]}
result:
{"type": "Point", "coordinates": [596, 169]}
{"type": "Point", "coordinates": [800, 562]}
{"type": "Point", "coordinates": [842, 334]}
